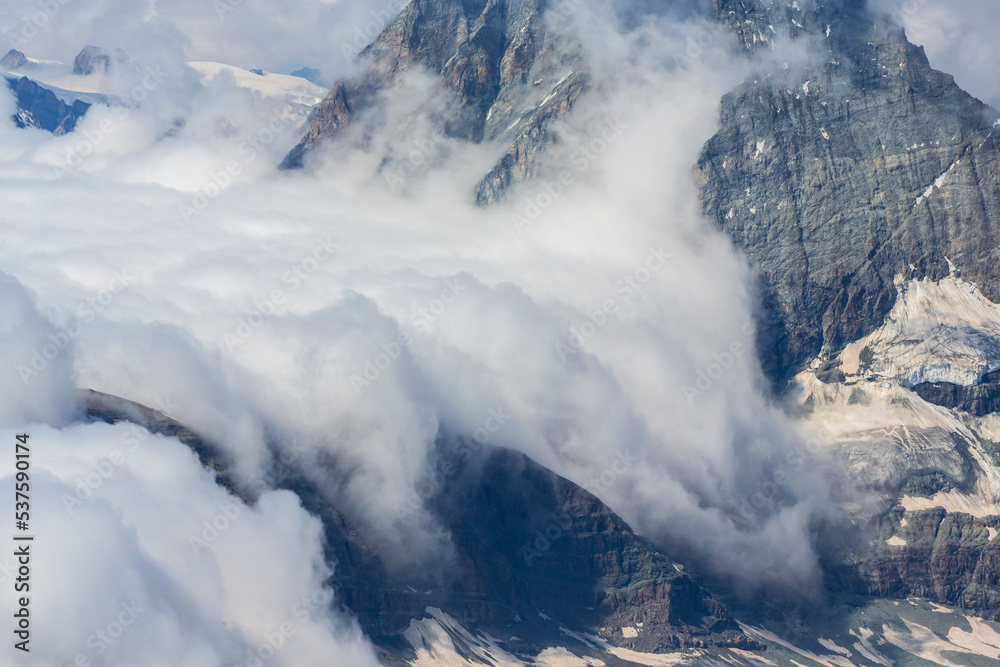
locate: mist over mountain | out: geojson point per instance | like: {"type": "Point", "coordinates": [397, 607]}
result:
{"type": "Point", "coordinates": [504, 332]}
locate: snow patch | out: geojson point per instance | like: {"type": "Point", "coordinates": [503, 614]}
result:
{"type": "Point", "coordinates": [825, 660]}
{"type": "Point", "coordinates": [923, 643]}
{"type": "Point", "coordinates": [944, 331]}
{"type": "Point", "coordinates": [831, 645]}
{"type": "Point", "coordinates": [434, 641]}
{"type": "Point", "coordinates": [952, 501]}
{"type": "Point", "coordinates": [753, 657]}
{"type": "Point", "coordinates": [981, 640]}
{"type": "Point", "coordinates": [938, 182]}
{"type": "Point", "coordinates": [560, 657]}
{"type": "Point", "coordinates": [865, 648]}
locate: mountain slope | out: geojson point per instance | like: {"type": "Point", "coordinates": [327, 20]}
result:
{"type": "Point", "coordinates": [508, 73]}
{"type": "Point", "coordinates": [835, 179]}
{"type": "Point", "coordinates": [533, 554]}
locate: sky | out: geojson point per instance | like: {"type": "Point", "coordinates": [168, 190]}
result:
{"type": "Point", "coordinates": [959, 37]}
{"type": "Point", "coordinates": [157, 254]}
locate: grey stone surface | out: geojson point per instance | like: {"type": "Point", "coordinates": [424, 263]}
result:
{"type": "Point", "coordinates": [829, 187]}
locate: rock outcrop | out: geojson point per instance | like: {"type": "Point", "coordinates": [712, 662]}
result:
{"type": "Point", "coordinates": [508, 72]}
{"type": "Point", "coordinates": [840, 176]}
{"type": "Point", "coordinates": [14, 60]}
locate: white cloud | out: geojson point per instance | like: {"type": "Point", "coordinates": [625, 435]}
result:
{"type": "Point", "coordinates": [119, 577]}
{"type": "Point", "coordinates": [257, 308]}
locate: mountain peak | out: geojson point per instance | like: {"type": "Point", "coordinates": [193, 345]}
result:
{"type": "Point", "coordinates": [14, 60]}
{"type": "Point", "coordinates": [96, 59]}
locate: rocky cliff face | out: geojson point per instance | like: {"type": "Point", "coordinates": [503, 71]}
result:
{"type": "Point", "coordinates": [833, 178]}
{"type": "Point", "coordinates": [98, 60]}
{"type": "Point", "coordinates": [525, 541]}
{"type": "Point", "coordinates": [865, 189]}
{"type": "Point", "coordinates": [952, 558]}
{"type": "Point", "coordinates": [866, 165]}
{"type": "Point", "coordinates": [40, 107]}
{"type": "Point", "coordinates": [508, 72]}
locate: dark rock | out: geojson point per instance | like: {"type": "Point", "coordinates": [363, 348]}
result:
{"type": "Point", "coordinates": [40, 107]}
{"type": "Point", "coordinates": [823, 177]}
{"type": "Point", "coordinates": [830, 373]}
{"type": "Point", "coordinates": [948, 558]}
{"type": "Point", "coordinates": [978, 399]}
{"type": "Point", "coordinates": [927, 484]}
{"type": "Point", "coordinates": [258, 72]}
{"type": "Point", "coordinates": [112, 410]}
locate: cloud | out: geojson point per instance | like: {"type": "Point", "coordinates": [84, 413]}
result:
{"type": "Point", "coordinates": [361, 323]}
{"type": "Point", "coordinates": [278, 36]}
{"type": "Point", "coordinates": [166, 567]}
{"type": "Point", "coordinates": [40, 383]}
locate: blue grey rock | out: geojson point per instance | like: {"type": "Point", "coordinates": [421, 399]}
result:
{"type": "Point", "coordinates": [40, 107]}
{"type": "Point", "coordinates": [14, 60]}
{"type": "Point", "coordinates": [309, 74]}
{"type": "Point", "coordinates": [588, 569]}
